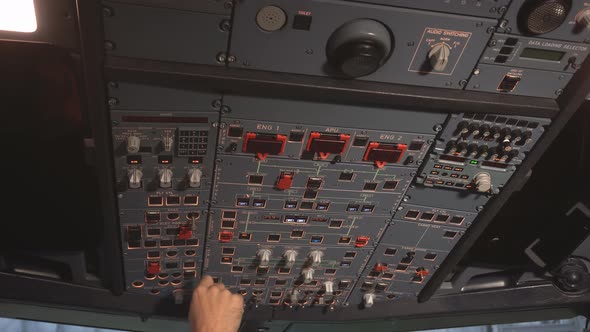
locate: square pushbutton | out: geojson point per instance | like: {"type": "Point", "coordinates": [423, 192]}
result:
{"type": "Point", "coordinates": [302, 22]}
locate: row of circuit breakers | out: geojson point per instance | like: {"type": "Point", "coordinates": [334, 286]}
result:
{"type": "Point", "coordinates": [295, 203]}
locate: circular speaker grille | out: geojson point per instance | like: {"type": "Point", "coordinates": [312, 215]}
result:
{"type": "Point", "coordinates": [544, 16]}
{"type": "Point", "coordinates": [271, 18]}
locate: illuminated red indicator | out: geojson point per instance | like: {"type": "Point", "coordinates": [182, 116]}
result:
{"type": "Point", "coordinates": [134, 162]}
{"type": "Point", "coordinates": [380, 267]}
{"type": "Point", "coordinates": [226, 236]}
{"type": "Point", "coordinates": [185, 233]}
{"type": "Point", "coordinates": [361, 241]}
{"type": "Point", "coordinates": [325, 144]}
{"type": "Point", "coordinates": [422, 272]}
{"type": "Point", "coordinates": [383, 153]}
{"type": "Point", "coordinates": [285, 181]}
{"type": "Point", "coordinates": [153, 267]}
{"type": "Point", "coordinates": [165, 162]}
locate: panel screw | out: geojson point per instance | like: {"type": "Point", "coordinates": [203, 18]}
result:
{"type": "Point", "coordinates": [493, 42]}
{"type": "Point", "coordinates": [399, 208]}
{"type": "Point", "coordinates": [214, 124]}
{"type": "Point", "coordinates": [430, 141]}
{"type": "Point", "coordinates": [222, 125]}
{"type": "Point", "coordinates": [468, 224]}
{"type": "Point", "coordinates": [437, 129]}
{"type": "Point", "coordinates": [216, 103]}
{"type": "Point", "coordinates": [493, 10]}
{"type": "Point", "coordinates": [219, 160]}
{"type": "Point", "coordinates": [309, 51]}
{"type": "Point", "coordinates": [225, 109]}
{"type": "Point", "coordinates": [113, 101]}
{"type": "Point", "coordinates": [419, 162]}
{"type": "Point", "coordinates": [491, 30]}
{"type": "Point", "coordinates": [231, 58]}
{"type": "Point", "coordinates": [462, 82]}
{"type": "Point", "coordinates": [109, 45]}
{"type": "Point", "coordinates": [508, 30]}
{"type": "Point", "coordinates": [413, 174]}
{"type": "Point", "coordinates": [225, 25]}
{"type": "Point", "coordinates": [228, 5]}
{"type": "Point", "coordinates": [479, 208]}
{"type": "Point", "coordinates": [558, 92]}
{"type": "Point", "coordinates": [107, 12]}
{"type": "Point", "coordinates": [220, 148]}
{"type": "Point", "coordinates": [479, 24]}
{"type": "Point", "coordinates": [221, 57]}
{"type": "Point", "coordinates": [113, 85]}
{"type": "Point", "coordinates": [448, 83]}
{"type": "Point", "coordinates": [502, 9]}
{"type": "Point", "coordinates": [213, 202]}
{"type": "Point", "coordinates": [115, 123]}
{"type": "Point", "coordinates": [476, 86]}
{"type": "Point", "coordinates": [476, 71]}
{"type": "Point", "coordinates": [410, 43]}
{"type": "Point", "coordinates": [406, 198]}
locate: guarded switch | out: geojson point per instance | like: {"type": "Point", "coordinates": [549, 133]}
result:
{"type": "Point", "coordinates": [153, 267]}
{"type": "Point", "coordinates": [439, 56]}
{"type": "Point", "coordinates": [315, 257]}
{"type": "Point", "coordinates": [133, 144]}
{"type": "Point", "coordinates": [135, 176]}
{"type": "Point", "coordinates": [307, 275]}
{"type": "Point", "coordinates": [285, 181]}
{"type": "Point", "coordinates": [263, 257]}
{"type": "Point", "coordinates": [194, 176]}
{"type": "Point", "coordinates": [165, 178]}
{"type": "Point", "coordinates": [290, 256]}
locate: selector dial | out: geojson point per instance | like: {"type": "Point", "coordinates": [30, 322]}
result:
{"type": "Point", "coordinates": [133, 143]}
{"type": "Point", "coordinates": [583, 18]}
{"type": "Point", "coordinates": [135, 176]}
{"type": "Point", "coordinates": [264, 257]}
{"type": "Point", "coordinates": [439, 56]}
{"type": "Point", "coordinates": [483, 182]}
{"type": "Point", "coordinates": [165, 178]}
{"type": "Point", "coordinates": [542, 16]}
{"type": "Point", "coordinates": [290, 256]}
{"type": "Point", "coordinates": [359, 47]}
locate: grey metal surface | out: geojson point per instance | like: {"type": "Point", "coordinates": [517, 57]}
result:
{"type": "Point", "coordinates": [535, 83]}
{"type": "Point", "coordinates": [164, 34]}
{"type": "Point", "coordinates": [203, 6]}
{"type": "Point", "coordinates": [301, 51]}
{"type": "Point", "coordinates": [485, 8]}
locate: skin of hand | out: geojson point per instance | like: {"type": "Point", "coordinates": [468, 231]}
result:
{"type": "Point", "coordinates": [214, 308]}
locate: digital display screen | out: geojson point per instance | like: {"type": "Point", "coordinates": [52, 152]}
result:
{"type": "Point", "coordinates": [164, 119]}
{"type": "Point", "coordinates": [541, 54]}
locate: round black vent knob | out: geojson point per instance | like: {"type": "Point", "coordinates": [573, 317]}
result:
{"type": "Point", "coordinates": [542, 16]}
{"type": "Point", "coordinates": [358, 48]}
{"type": "Point", "coordinates": [572, 276]}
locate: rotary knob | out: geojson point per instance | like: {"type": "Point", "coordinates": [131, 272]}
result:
{"type": "Point", "coordinates": [290, 256]}
{"type": "Point", "coordinates": [135, 176]}
{"type": "Point", "coordinates": [263, 257]}
{"type": "Point", "coordinates": [315, 257]}
{"type": "Point", "coordinates": [359, 47]}
{"type": "Point", "coordinates": [543, 16]}
{"type": "Point", "coordinates": [307, 275]}
{"type": "Point", "coordinates": [369, 300]}
{"type": "Point", "coordinates": [583, 18]}
{"type": "Point", "coordinates": [165, 178]}
{"type": "Point", "coordinates": [483, 182]}
{"type": "Point", "coordinates": [439, 56]}
{"type": "Point", "coordinates": [167, 142]}
{"type": "Point", "coordinates": [194, 177]}
{"type": "Point", "coordinates": [133, 143]}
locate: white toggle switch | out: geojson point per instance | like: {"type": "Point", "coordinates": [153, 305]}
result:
{"type": "Point", "coordinates": [315, 257]}
{"type": "Point", "coordinates": [133, 143]}
{"type": "Point", "coordinates": [290, 256]}
{"type": "Point", "coordinates": [369, 300]}
{"type": "Point", "coordinates": [264, 257]}
{"type": "Point", "coordinates": [329, 286]}
{"type": "Point", "coordinates": [307, 275]}
{"type": "Point", "coordinates": [167, 142]}
{"type": "Point", "coordinates": [294, 297]}
{"type": "Point", "coordinates": [194, 177]}
{"type": "Point", "coordinates": [135, 178]}
{"type": "Point", "coordinates": [166, 178]}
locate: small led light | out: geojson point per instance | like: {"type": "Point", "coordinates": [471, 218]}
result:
{"type": "Point", "coordinates": [18, 15]}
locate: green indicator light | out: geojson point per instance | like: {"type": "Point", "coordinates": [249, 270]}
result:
{"type": "Point", "coordinates": [474, 162]}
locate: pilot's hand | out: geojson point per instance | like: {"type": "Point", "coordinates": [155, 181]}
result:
{"type": "Point", "coordinates": [214, 308]}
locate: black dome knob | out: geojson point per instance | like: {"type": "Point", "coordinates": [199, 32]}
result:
{"type": "Point", "coordinates": [358, 58]}
{"type": "Point", "coordinates": [542, 16]}
{"type": "Point", "coordinates": [359, 47]}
